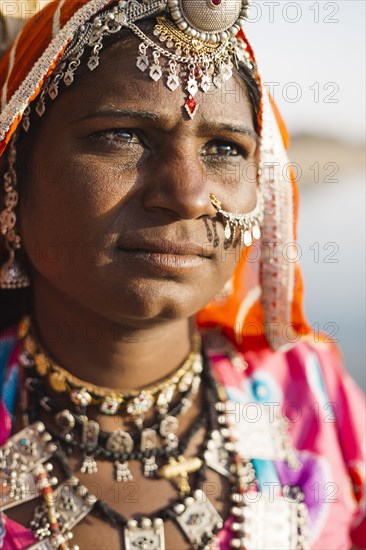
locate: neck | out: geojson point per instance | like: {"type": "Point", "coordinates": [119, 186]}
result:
{"type": "Point", "coordinates": [107, 353]}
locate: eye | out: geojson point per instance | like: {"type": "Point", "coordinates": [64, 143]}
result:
{"type": "Point", "coordinates": [224, 149]}
{"type": "Point", "coordinates": [118, 135]}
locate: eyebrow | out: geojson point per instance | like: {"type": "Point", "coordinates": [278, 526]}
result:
{"type": "Point", "coordinates": [212, 127]}
{"type": "Point", "coordinates": [216, 127]}
{"type": "Point", "coordinates": [118, 113]}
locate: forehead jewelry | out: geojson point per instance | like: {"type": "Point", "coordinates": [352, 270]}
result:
{"type": "Point", "coordinates": [194, 44]}
{"type": "Point", "coordinates": [248, 224]}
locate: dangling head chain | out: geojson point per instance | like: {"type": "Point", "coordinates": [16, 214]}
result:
{"type": "Point", "coordinates": [194, 45]}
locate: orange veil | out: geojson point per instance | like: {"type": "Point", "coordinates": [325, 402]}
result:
{"type": "Point", "coordinates": [266, 298]}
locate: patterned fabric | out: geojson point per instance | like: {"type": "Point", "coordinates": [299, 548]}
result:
{"type": "Point", "coordinates": [326, 412]}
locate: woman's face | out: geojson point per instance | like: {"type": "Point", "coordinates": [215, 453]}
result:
{"type": "Point", "coordinates": [116, 214]}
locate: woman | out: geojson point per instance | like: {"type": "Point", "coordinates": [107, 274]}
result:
{"type": "Point", "coordinates": [147, 157]}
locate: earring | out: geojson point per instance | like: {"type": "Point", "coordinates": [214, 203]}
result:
{"type": "Point", "coordinates": [12, 275]}
{"type": "Point", "coordinates": [247, 224]}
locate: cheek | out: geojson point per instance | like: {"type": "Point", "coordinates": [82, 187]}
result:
{"type": "Point", "coordinates": [77, 199]}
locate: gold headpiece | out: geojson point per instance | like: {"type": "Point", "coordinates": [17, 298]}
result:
{"type": "Point", "coordinates": [195, 46]}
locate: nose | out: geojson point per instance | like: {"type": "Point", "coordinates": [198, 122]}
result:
{"type": "Point", "coordinates": [176, 182]}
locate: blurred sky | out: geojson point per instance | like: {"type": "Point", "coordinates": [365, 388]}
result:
{"type": "Point", "coordinates": [310, 42]}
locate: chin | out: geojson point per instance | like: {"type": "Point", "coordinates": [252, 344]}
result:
{"type": "Point", "coordinates": [151, 300]}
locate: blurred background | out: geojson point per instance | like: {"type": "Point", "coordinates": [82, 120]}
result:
{"type": "Point", "coordinates": [312, 58]}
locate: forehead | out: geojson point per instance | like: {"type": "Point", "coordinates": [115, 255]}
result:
{"type": "Point", "coordinates": [117, 83]}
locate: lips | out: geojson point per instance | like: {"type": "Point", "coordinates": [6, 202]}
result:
{"type": "Point", "coordinates": [165, 247]}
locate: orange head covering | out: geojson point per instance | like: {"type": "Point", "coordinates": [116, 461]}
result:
{"type": "Point", "coordinates": [267, 285]}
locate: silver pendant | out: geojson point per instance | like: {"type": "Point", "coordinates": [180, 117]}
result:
{"type": "Point", "coordinates": [93, 62]}
{"type": "Point", "coordinates": [18, 458]}
{"type": "Point", "coordinates": [269, 523]}
{"type": "Point", "coordinates": [120, 442]}
{"type": "Point", "coordinates": [16, 489]}
{"type": "Point", "coordinates": [73, 503]}
{"type": "Point", "coordinates": [149, 440]}
{"type": "Point", "coordinates": [198, 519]}
{"type": "Point", "coordinates": [142, 62]}
{"type": "Point", "coordinates": [123, 472]}
{"type": "Point", "coordinates": [156, 72]}
{"type": "Point", "coordinates": [256, 232]}
{"type": "Point", "coordinates": [263, 439]}
{"type": "Point", "coordinates": [150, 467]}
{"type": "Point", "coordinates": [41, 108]}
{"type": "Point", "coordinates": [206, 84]}
{"type": "Point", "coordinates": [247, 237]}
{"type": "Point", "coordinates": [66, 421]}
{"type": "Point", "coordinates": [216, 456]}
{"type": "Point", "coordinates": [90, 434]}
{"type": "Point", "coordinates": [69, 78]}
{"type": "Point", "coordinates": [53, 91]}
{"type": "Point", "coordinates": [29, 447]}
{"type": "Point", "coordinates": [192, 86]}
{"type": "Point", "coordinates": [226, 73]}
{"type": "Point", "coordinates": [89, 465]}
{"type": "Point", "coordinates": [146, 535]}
{"type": "Point", "coordinates": [168, 430]}
{"type": "Point", "coordinates": [173, 82]}
{"type": "Point", "coordinates": [227, 231]}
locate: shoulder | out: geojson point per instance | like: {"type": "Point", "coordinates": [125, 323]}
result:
{"type": "Point", "coordinates": [8, 380]}
{"type": "Point", "coordinates": [8, 344]}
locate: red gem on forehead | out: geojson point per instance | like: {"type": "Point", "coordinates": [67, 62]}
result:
{"type": "Point", "coordinates": [216, 2]}
{"type": "Point", "coordinates": [191, 106]}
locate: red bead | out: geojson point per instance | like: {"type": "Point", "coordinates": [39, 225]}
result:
{"type": "Point", "coordinates": [191, 106]}
{"type": "Point", "coordinates": [216, 2]}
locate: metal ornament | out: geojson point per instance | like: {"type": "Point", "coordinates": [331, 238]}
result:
{"type": "Point", "coordinates": [65, 419]}
{"type": "Point", "coordinates": [121, 442]}
{"type": "Point", "coordinates": [198, 519]}
{"type": "Point", "coordinates": [149, 441]}
{"type": "Point", "coordinates": [147, 534]}
{"type": "Point", "coordinates": [18, 457]}
{"type": "Point", "coordinates": [73, 503]}
{"type": "Point", "coordinates": [247, 224]}
{"type": "Point", "coordinates": [168, 430]}
{"type": "Point", "coordinates": [214, 20]}
{"type": "Point", "coordinates": [284, 519]}
{"type": "Point", "coordinates": [90, 437]}
{"type": "Point", "coordinates": [110, 405]}
{"type": "Point", "coordinates": [180, 468]}
{"type": "Point", "coordinates": [216, 456]}
{"type": "Point", "coordinates": [139, 407]}
{"type": "Point", "coordinates": [195, 47]}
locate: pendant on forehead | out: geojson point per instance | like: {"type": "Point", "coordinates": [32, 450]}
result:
{"type": "Point", "coordinates": [215, 20]}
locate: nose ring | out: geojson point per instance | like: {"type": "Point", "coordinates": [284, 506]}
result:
{"type": "Point", "coordinates": [248, 224]}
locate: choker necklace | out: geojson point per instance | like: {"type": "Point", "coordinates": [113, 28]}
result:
{"type": "Point", "coordinates": [78, 432]}
{"type": "Point", "coordinates": [136, 403]}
